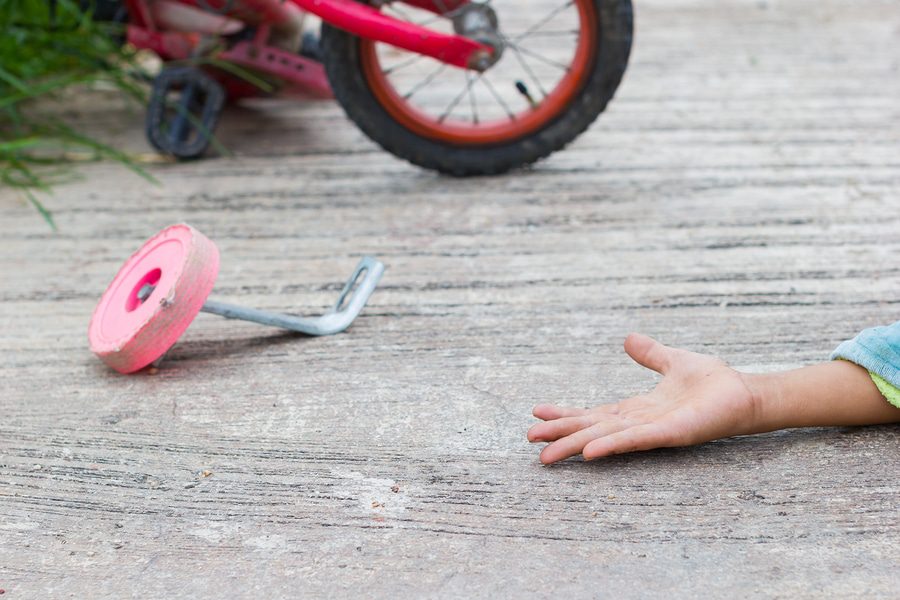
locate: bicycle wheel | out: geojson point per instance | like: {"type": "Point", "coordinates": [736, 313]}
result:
{"type": "Point", "coordinates": [561, 63]}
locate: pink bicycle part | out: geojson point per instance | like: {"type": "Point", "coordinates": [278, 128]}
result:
{"type": "Point", "coordinates": [303, 74]}
{"type": "Point", "coordinates": [128, 332]}
{"type": "Point", "coordinates": [370, 23]}
{"type": "Point", "coordinates": [357, 18]}
{"type": "Point", "coordinates": [159, 291]}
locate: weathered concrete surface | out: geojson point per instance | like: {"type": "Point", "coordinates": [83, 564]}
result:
{"type": "Point", "coordinates": [741, 196]}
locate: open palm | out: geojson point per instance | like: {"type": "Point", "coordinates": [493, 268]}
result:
{"type": "Point", "coordinates": [700, 398]}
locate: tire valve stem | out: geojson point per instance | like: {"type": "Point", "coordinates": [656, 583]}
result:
{"type": "Point", "coordinates": [523, 89]}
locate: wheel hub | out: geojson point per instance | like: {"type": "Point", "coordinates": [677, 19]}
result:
{"type": "Point", "coordinates": [478, 21]}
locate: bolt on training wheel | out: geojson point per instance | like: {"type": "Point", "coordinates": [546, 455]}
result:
{"type": "Point", "coordinates": [159, 291]}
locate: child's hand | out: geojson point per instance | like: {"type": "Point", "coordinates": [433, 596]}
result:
{"type": "Point", "coordinates": [700, 398]}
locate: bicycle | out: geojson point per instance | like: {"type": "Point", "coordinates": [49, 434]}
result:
{"type": "Point", "coordinates": [458, 86]}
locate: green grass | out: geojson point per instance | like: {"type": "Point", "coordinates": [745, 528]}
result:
{"type": "Point", "coordinates": [46, 48]}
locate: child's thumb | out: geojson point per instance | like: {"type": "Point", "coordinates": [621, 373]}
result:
{"type": "Point", "coordinates": [648, 352]}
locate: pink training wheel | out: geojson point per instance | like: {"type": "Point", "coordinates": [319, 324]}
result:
{"type": "Point", "coordinates": [162, 287]}
{"type": "Point", "coordinates": [153, 298]}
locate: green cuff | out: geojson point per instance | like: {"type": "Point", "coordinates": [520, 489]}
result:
{"type": "Point", "coordinates": [891, 393]}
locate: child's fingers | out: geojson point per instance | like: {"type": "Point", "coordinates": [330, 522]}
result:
{"type": "Point", "coordinates": [554, 429]}
{"type": "Point", "coordinates": [573, 444]}
{"type": "Point", "coordinates": [648, 352]}
{"type": "Point", "coordinates": [548, 412]}
{"type": "Point", "coordinates": [633, 439]}
{"type": "Point", "coordinates": [551, 411]}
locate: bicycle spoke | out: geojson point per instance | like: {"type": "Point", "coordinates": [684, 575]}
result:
{"type": "Point", "coordinates": [416, 58]}
{"type": "Point", "coordinates": [459, 97]}
{"type": "Point", "coordinates": [406, 17]}
{"type": "Point", "coordinates": [497, 97]}
{"type": "Point", "coordinates": [548, 33]}
{"type": "Point", "coordinates": [402, 14]}
{"type": "Point", "coordinates": [543, 21]}
{"type": "Point", "coordinates": [429, 21]}
{"type": "Point", "coordinates": [539, 57]}
{"type": "Point", "coordinates": [528, 70]}
{"type": "Point", "coordinates": [472, 98]}
{"type": "Point", "coordinates": [425, 81]}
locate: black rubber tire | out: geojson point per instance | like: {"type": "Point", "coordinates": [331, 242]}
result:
{"type": "Point", "coordinates": [342, 63]}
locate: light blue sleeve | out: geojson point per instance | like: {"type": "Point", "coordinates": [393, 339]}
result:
{"type": "Point", "coordinates": [877, 350]}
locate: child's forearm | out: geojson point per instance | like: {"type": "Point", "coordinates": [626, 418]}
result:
{"type": "Point", "coordinates": [700, 398]}
{"type": "Point", "coordinates": [836, 393]}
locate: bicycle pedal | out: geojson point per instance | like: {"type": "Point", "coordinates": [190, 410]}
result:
{"type": "Point", "coordinates": [185, 104]}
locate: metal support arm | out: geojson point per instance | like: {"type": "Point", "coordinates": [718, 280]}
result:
{"type": "Point", "coordinates": [353, 298]}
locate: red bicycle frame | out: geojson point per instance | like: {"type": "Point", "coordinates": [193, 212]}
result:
{"type": "Point", "coordinates": [357, 18]}
{"type": "Point", "coordinates": [368, 22]}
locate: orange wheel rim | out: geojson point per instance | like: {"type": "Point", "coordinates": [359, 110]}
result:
{"type": "Point", "coordinates": [496, 131]}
